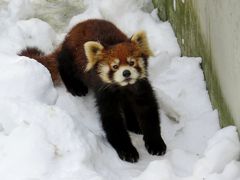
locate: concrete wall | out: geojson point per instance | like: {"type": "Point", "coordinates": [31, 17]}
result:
{"type": "Point", "coordinates": [220, 24]}
{"type": "Point", "coordinates": [211, 29]}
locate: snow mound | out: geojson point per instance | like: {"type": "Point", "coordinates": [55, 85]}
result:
{"type": "Point", "coordinates": [24, 78]}
{"type": "Point", "coordinates": [215, 156]}
{"type": "Point", "coordinates": [47, 134]}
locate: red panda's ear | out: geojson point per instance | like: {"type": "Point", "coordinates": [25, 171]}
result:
{"type": "Point", "coordinates": [140, 38]}
{"type": "Point", "coordinates": [92, 50]}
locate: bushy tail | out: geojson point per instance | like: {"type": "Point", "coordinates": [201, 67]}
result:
{"type": "Point", "coordinates": [31, 52]}
{"type": "Point", "coordinates": [49, 61]}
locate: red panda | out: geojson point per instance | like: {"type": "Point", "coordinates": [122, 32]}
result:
{"type": "Point", "coordinates": [96, 55]}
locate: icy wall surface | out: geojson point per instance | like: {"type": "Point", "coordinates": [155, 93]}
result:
{"type": "Point", "coordinates": [47, 134]}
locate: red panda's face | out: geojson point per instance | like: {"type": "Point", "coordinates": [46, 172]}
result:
{"type": "Point", "coordinates": [122, 64]}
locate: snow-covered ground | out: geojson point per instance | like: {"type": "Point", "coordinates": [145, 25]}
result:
{"type": "Point", "coordinates": [47, 134]}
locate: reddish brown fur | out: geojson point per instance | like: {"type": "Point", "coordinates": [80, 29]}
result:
{"type": "Point", "coordinates": [105, 33]}
{"type": "Point", "coordinates": [122, 52]}
{"type": "Point", "coordinates": [100, 31]}
{"type": "Point", "coordinates": [86, 31]}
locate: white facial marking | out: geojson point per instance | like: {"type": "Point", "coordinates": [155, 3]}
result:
{"type": "Point", "coordinates": [131, 60]}
{"type": "Point", "coordinates": [116, 61]}
{"type": "Point", "coordinates": [115, 64]}
{"type": "Point", "coordinates": [103, 70]}
{"type": "Point", "coordinates": [123, 83]}
{"type": "Point", "coordinates": [120, 79]}
{"type": "Point", "coordinates": [132, 81]}
{"type": "Point", "coordinates": [143, 68]}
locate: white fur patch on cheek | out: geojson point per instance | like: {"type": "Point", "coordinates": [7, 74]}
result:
{"type": "Point", "coordinates": [134, 73]}
{"type": "Point", "coordinates": [141, 64]}
{"type": "Point", "coordinates": [103, 71]}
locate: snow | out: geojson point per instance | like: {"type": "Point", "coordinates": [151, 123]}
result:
{"type": "Point", "coordinates": [47, 134]}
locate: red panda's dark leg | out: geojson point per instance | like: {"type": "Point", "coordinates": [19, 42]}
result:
{"type": "Point", "coordinates": [69, 74]}
{"type": "Point", "coordinates": [148, 116]}
{"type": "Point", "coordinates": [130, 116]}
{"type": "Point", "coordinates": [113, 125]}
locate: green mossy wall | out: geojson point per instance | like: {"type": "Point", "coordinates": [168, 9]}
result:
{"type": "Point", "coordinates": [185, 23]}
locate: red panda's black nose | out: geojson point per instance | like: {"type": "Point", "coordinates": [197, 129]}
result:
{"type": "Point", "coordinates": [126, 73]}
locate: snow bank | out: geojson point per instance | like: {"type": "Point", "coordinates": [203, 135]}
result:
{"type": "Point", "coordinates": [23, 33]}
{"type": "Point", "coordinates": [37, 139]}
{"type": "Point", "coordinates": [25, 79]}
{"type": "Point", "coordinates": [47, 134]}
{"type": "Point", "coordinates": [222, 149]}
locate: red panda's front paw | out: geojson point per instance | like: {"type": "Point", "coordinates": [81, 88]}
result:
{"type": "Point", "coordinates": [129, 154]}
{"type": "Point", "coordinates": [156, 147]}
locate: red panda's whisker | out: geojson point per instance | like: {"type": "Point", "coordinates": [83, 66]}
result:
{"type": "Point", "coordinates": [102, 88]}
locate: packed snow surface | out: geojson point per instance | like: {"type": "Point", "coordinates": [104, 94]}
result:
{"type": "Point", "coordinates": [47, 134]}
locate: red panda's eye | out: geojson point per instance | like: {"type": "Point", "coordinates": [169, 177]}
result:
{"type": "Point", "coordinates": [131, 63]}
{"type": "Point", "coordinates": [115, 66]}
